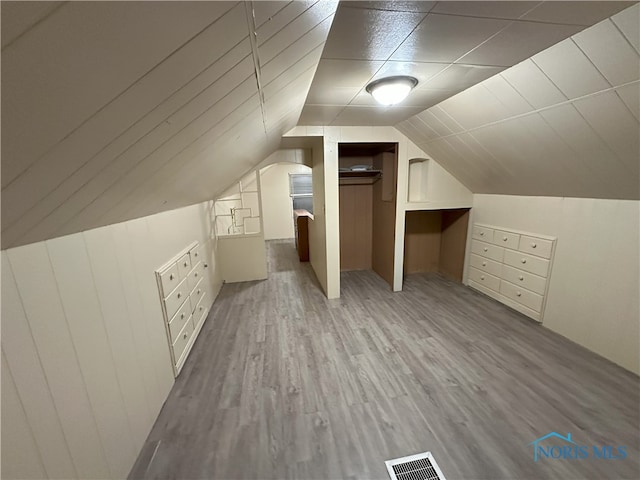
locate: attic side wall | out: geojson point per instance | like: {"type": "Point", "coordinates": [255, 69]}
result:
{"type": "Point", "coordinates": [86, 364]}
{"type": "Point", "coordinates": [594, 284]}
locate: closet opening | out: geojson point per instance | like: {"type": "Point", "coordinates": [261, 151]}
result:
{"type": "Point", "coordinates": [367, 198]}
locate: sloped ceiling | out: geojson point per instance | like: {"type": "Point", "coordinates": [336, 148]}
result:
{"type": "Point", "coordinates": [562, 123]}
{"type": "Point", "coordinates": [115, 110]}
{"type": "Point", "coordinates": [448, 46]}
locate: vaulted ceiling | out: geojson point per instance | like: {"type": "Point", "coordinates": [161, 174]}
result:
{"type": "Point", "coordinates": [116, 110]}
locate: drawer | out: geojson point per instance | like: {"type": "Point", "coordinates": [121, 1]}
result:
{"type": "Point", "coordinates": [197, 293]}
{"type": "Point", "coordinates": [524, 279]}
{"type": "Point", "coordinates": [179, 319]}
{"type": "Point", "coordinates": [181, 342]}
{"type": "Point", "coordinates": [487, 250]}
{"type": "Point", "coordinates": [486, 265]}
{"type": "Point", "coordinates": [195, 275]}
{"type": "Point", "coordinates": [195, 254]}
{"type": "Point", "coordinates": [483, 233]}
{"type": "Point", "coordinates": [485, 279]}
{"type": "Point", "coordinates": [526, 262]}
{"type": "Point", "coordinates": [176, 298]}
{"type": "Point", "coordinates": [521, 295]}
{"type": "Point", "coordinates": [535, 246]}
{"type": "Point", "coordinates": [201, 311]}
{"type": "Point", "coordinates": [506, 239]}
{"type": "Point", "coordinates": [184, 266]}
{"type": "Point", "coordinates": [169, 279]}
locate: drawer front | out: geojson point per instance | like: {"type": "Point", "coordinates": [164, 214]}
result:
{"type": "Point", "coordinates": [195, 254]}
{"type": "Point", "coordinates": [528, 263]}
{"type": "Point", "coordinates": [524, 279]}
{"type": "Point", "coordinates": [195, 275]}
{"type": "Point", "coordinates": [506, 239]}
{"type": "Point", "coordinates": [201, 311]}
{"type": "Point", "coordinates": [535, 246]}
{"type": "Point", "coordinates": [485, 279]}
{"type": "Point", "coordinates": [179, 319]}
{"type": "Point", "coordinates": [176, 298]}
{"type": "Point", "coordinates": [197, 293]}
{"type": "Point", "coordinates": [487, 250]}
{"type": "Point", "coordinates": [181, 342]}
{"type": "Point", "coordinates": [184, 266]}
{"type": "Point", "coordinates": [486, 265]}
{"type": "Point", "coordinates": [483, 233]}
{"type": "Point", "coordinates": [521, 295]}
{"type": "Point", "coordinates": [169, 279]}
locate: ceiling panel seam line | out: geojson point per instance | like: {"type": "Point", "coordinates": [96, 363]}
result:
{"type": "Point", "coordinates": [146, 156]}
{"type": "Point", "coordinates": [615, 25]}
{"type": "Point", "coordinates": [130, 146]}
{"type": "Point", "coordinates": [219, 136]}
{"type": "Point", "coordinates": [275, 14]}
{"type": "Point", "coordinates": [301, 36]}
{"type": "Point", "coordinates": [34, 25]}
{"type": "Point", "coordinates": [114, 99]}
{"type": "Point", "coordinates": [287, 24]}
{"type": "Point", "coordinates": [548, 107]}
{"type": "Point", "coordinates": [591, 61]}
{"type": "Point", "coordinates": [380, 9]}
{"type": "Point", "coordinates": [251, 25]}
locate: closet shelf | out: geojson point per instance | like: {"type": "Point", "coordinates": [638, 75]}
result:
{"type": "Point", "coordinates": [359, 177]}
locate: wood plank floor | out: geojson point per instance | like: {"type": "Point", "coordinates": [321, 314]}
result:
{"type": "Point", "coordinates": [283, 383]}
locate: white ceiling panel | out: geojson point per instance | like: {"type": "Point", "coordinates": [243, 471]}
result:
{"type": "Point", "coordinates": [319, 114]}
{"type": "Point", "coordinates": [508, 96]}
{"type": "Point", "coordinates": [91, 53]}
{"type": "Point", "coordinates": [518, 41]}
{"type": "Point", "coordinates": [534, 86]}
{"type": "Point", "coordinates": [487, 108]}
{"type": "Point", "coordinates": [505, 10]}
{"type": "Point", "coordinates": [575, 13]}
{"type": "Point", "coordinates": [344, 73]}
{"type": "Point", "coordinates": [630, 95]}
{"type": "Point", "coordinates": [458, 77]}
{"type": "Point", "coordinates": [570, 70]}
{"type": "Point", "coordinates": [611, 119]}
{"type": "Point", "coordinates": [24, 16]}
{"type": "Point", "coordinates": [362, 34]}
{"type": "Point", "coordinates": [377, 115]}
{"type": "Point", "coordinates": [420, 97]}
{"type": "Point", "coordinates": [394, 6]}
{"type": "Point", "coordinates": [599, 42]}
{"type": "Point", "coordinates": [446, 38]}
{"type": "Point", "coordinates": [629, 24]}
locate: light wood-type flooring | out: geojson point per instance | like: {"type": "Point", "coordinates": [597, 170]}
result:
{"type": "Point", "coordinates": [283, 383]}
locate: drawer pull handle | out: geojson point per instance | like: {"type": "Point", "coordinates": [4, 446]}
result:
{"type": "Point", "coordinates": [482, 277]}
{"type": "Point", "coordinates": [199, 291]}
{"type": "Point", "coordinates": [185, 264]}
{"type": "Point", "coordinates": [171, 277]}
{"type": "Point", "coordinates": [485, 249]}
{"type": "Point", "coordinates": [195, 274]}
{"type": "Point", "coordinates": [185, 336]}
{"type": "Point", "coordinates": [201, 308]}
{"type": "Point", "coordinates": [534, 245]}
{"type": "Point", "coordinates": [519, 294]}
{"type": "Point", "coordinates": [182, 316]}
{"type": "Point", "coordinates": [195, 254]}
{"type": "Point", "coordinates": [179, 295]}
{"type": "Point", "coordinates": [206, 265]}
{"type": "Point", "coordinates": [484, 264]}
{"type": "Point", "coordinates": [524, 260]}
{"type": "Point", "coordinates": [482, 234]}
{"type": "Point", "coordinates": [504, 239]}
{"type": "Point", "coordinates": [521, 278]}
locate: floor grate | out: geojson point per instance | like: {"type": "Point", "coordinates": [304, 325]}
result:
{"type": "Point", "coordinates": [415, 467]}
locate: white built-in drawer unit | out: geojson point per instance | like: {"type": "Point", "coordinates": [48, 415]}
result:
{"type": "Point", "coordinates": [184, 292]}
{"type": "Point", "coordinates": [512, 267]}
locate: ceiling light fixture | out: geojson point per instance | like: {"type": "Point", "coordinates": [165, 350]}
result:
{"type": "Point", "coordinates": [391, 90]}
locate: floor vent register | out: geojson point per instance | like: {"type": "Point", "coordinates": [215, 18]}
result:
{"type": "Point", "coordinates": [415, 467]}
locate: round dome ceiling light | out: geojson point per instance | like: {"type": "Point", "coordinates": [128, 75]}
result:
{"type": "Point", "coordinates": [391, 90]}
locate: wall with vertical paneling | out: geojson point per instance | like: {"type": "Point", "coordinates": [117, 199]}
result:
{"type": "Point", "coordinates": [85, 360]}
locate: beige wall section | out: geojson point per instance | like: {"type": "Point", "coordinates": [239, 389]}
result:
{"type": "Point", "coordinates": [86, 365]}
{"type": "Point", "coordinates": [356, 223]}
{"type": "Point", "coordinates": [422, 241]}
{"type": "Point", "coordinates": [455, 224]}
{"type": "Point", "coordinates": [277, 211]}
{"type": "Point", "coordinates": [242, 258]}
{"type": "Point", "coordinates": [593, 289]}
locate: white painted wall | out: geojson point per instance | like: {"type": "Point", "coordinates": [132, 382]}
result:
{"type": "Point", "coordinates": [594, 284]}
{"type": "Point", "coordinates": [277, 212]}
{"type": "Point", "coordinates": [85, 360]}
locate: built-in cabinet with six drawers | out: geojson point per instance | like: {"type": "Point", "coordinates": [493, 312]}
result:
{"type": "Point", "coordinates": [184, 292]}
{"type": "Point", "coordinates": [512, 267]}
